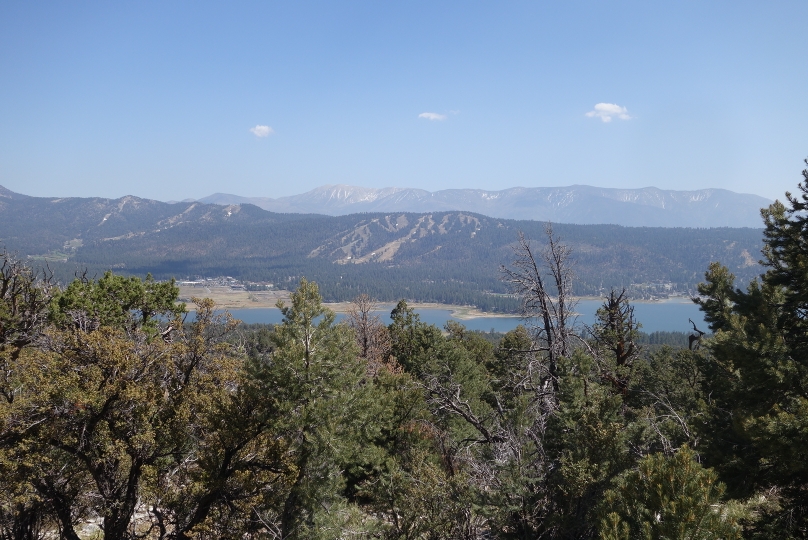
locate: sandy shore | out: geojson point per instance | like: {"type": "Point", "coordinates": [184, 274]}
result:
{"type": "Point", "coordinates": [227, 298]}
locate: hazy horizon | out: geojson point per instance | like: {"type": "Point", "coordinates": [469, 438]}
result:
{"type": "Point", "coordinates": [401, 188]}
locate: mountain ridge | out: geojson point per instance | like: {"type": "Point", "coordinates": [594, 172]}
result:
{"type": "Point", "coordinates": [576, 204]}
{"type": "Point", "coordinates": [442, 256]}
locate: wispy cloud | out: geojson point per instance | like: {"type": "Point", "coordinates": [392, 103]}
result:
{"type": "Point", "coordinates": [432, 116]}
{"type": "Point", "coordinates": [609, 111]}
{"type": "Point", "coordinates": [262, 131]}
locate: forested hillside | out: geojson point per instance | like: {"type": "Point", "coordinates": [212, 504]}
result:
{"type": "Point", "coordinates": [450, 257]}
{"type": "Point", "coordinates": [39, 225]}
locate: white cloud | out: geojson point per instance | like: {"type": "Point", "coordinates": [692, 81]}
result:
{"type": "Point", "coordinates": [609, 111]}
{"type": "Point", "coordinates": [432, 116]}
{"type": "Point", "coordinates": [262, 131]}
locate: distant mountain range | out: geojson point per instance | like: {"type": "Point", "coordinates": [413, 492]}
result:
{"type": "Point", "coordinates": [578, 204]}
{"type": "Point", "coordinates": [442, 256]}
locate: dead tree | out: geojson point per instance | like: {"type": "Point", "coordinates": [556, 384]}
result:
{"type": "Point", "coordinates": [542, 280]}
{"type": "Point", "coordinates": [372, 335]}
{"type": "Point", "coordinates": [24, 298]}
{"type": "Point", "coordinates": [694, 340]}
{"type": "Point", "coordinates": [543, 284]}
{"type": "Point", "coordinates": [25, 294]}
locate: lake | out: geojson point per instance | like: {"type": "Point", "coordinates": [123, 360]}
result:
{"type": "Point", "coordinates": [669, 315]}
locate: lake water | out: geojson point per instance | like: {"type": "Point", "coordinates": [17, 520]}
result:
{"type": "Point", "coordinates": [670, 315]}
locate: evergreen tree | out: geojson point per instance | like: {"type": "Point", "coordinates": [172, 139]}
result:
{"type": "Point", "coordinates": [133, 421]}
{"type": "Point", "coordinates": [668, 498]}
{"type": "Point", "coordinates": [757, 373]}
{"type": "Point", "coordinates": [312, 382]}
{"type": "Point", "coordinates": [615, 336]}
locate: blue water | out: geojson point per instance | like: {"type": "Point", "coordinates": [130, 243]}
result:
{"type": "Point", "coordinates": [670, 316]}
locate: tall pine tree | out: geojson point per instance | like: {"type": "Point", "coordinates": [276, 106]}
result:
{"type": "Point", "coordinates": [758, 372]}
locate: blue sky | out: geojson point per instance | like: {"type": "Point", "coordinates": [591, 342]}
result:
{"type": "Point", "coordinates": [158, 99]}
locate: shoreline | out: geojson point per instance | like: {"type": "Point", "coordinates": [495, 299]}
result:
{"type": "Point", "coordinates": [229, 299]}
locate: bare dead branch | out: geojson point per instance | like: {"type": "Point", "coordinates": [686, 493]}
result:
{"type": "Point", "coordinates": [543, 284]}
